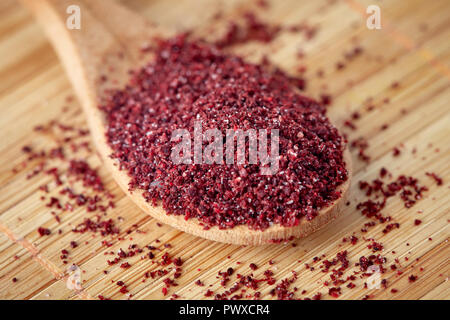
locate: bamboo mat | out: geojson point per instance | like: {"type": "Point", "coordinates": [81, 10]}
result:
{"type": "Point", "coordinates": [411, 49]}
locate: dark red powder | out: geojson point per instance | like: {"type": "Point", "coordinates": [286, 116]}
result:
{"type": "Point", "coordinates": [390, 227]}
{"type": "Point", "coordinates": [361, 145]}
{"type": "Point", "coordinates": [436, 178]}
{"type": "Point", "coordinates": [334, 292]}
{"type": "Point", "coordinates": [375, 246]}
{"type": "Point", "coordinates": [190, 81]}
{"type": "Point", "coordinates": [407, 188]}
{"type": "Point", "coordinates": [124, 290]}
{"type": "Point", "coordinates": [209, 293]}
{"type": "Point", "coordinates": [282, 289]}
{"type": "Point", "coordinates": [199, 283]}
{"type": "Point", "coordinates": [104, 227]}
{"type": "Point", "coordinates": [412, 278]}
{"type": "Point", "coordinates": [317, 296]}
{"type": "Point", "coordinates": [57, 161]}
{"type": "Point", "coordinates": [353, 240]}
{"type": "Point", "coordinates": [350, 124]}
{"type": "Point", "coordinates": [27, 149]}
{"type": "Point", "coordinates": [325, 99]}
{"type": "Point", "coordinates": [396, 152]}
{"type": "Point", "coordinates": [82, 171]}
{"type": "Point", "coordinates": [44, 231]}
{"type": "Point", "coordinates": [253, 29]}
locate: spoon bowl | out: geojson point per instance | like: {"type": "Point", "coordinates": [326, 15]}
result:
{"type": "Point", "coordinates": [98, 57]}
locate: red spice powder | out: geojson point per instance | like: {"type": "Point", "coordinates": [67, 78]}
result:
{"type": "Point", "coordinates": [104, 227]}
{"type": "Point", "coordinates": [199, 283]}
{"type": "Point", "coordinates": [190, 81]}
{"type": "Point", "coordinates": [80, 170]}
{"type": "Point", "coordinates": [282, 289]}
{"type": "Point", "coordinates": [209, 293]}
{"type": "Point", "coordinates": [317, 296]}
{"type": "Point", "coordinates": [390, 227]}
{"type": "Point", "coordinates": [412, 278]}
{"type": "Point", "coordinates": [253, 29]}
{"type": "Point", "coordinates": [361, 145]}
{"type": "Point", "coordinates": [123, 290]}
{"type": "Point", "coordinates": [396, 152]}
{"type": "Point", "coordinates": [436, 178]}
{"type": "Point", "coordinates": [44, 231]}
{"type": "Point", "coordinates": [67, 141]}
{"type": "Point", "coordinates": [375, 246]}
{"type": "Point", "coordinates": [334, 292]}
{"type": "Point", "coordinates": [407, 188]}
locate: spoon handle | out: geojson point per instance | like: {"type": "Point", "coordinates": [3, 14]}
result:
{"type": "Point", "coordinates": [90, 37]}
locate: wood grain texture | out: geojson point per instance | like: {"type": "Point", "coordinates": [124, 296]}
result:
{"type": "Point", "coordinates": [412, 49]}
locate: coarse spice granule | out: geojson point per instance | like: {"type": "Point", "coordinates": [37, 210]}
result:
{"type": "Point", "coordinates": [192, 81]}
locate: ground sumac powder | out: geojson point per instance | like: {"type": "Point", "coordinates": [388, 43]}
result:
{"type": "Point", "coordinates": [192, 81]}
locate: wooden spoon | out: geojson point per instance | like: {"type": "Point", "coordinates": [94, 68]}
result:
{"type": "Point", "coordinates": [98, 56]}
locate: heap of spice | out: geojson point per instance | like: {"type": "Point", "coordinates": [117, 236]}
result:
{"type": "Point", "coordinates": [191, 81]}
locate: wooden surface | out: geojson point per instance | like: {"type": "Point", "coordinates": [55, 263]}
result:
{"type": "Point", "coordinates": [411, 49]}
